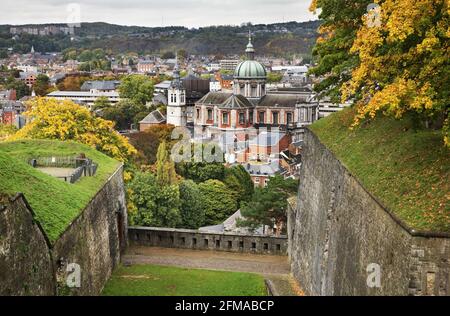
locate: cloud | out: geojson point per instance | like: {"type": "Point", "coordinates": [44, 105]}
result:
{"type": "Point", "coordinates": [190, 13]}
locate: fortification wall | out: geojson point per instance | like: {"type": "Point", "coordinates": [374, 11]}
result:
{"type": "Point", "coordinates": [30, 265]}
{"type": "Point", "coordinates": [338, 231]}
{"type": "Point", "coordinates": [25, 259]}
{"type": "Point", "coordinates": [193, 239]}
{"type": "Point", "coordinates": [94, 240]}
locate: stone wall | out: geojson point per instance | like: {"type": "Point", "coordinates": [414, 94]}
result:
{"type": "Point", "coordinates": [338, 231]}
{"type": "Point", "coordinates": [94, 240]}
{"type": "Point", "coordinates": [30, 265]}
{"type": "Point", "coordinates": [193, 239]}
{"type": "Point", "coordinates": [25, 260]}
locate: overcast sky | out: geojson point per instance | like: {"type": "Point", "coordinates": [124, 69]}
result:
{"type": "Point", "coordinates": [190, 13]}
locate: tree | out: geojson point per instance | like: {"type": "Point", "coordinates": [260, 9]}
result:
{"type": "Point", "coordinates": [404, 63]}
{"type": "Point", "coordinates": [192, 206]}
{"type": "Point", "coordinates": [165, 167]}
{"type": "Point", "coordinates": [152, 204]}
{"type": "Point", "coordinates": [268, 205]}
{"type": "Point", "coordinates": [273, 77]}
{"type": "Point", "coordinates": [6, 131]}
{"type": "Point", "coordinates": [65, 120]}
{"type": "Point", "coordinates": [168, 55]}
{"type": "Point", "coordinates": [71, 83]}
{"type": "Point", "coordinates": [238, 180]}
{"type": "Point", "coordinates": [42, 85]}
{"type": "Point", "coordinates": [147, 143]}
{"type": "Point", "coordinates": [137, 88]}
{"type": "Point", "coordinates": [21, 88]}
{"type": "Point", "coordinates": [340, 21]}
{"type": "Point", "coordinates": [123, 113]}
{"type": "Point", "coordinates": [201, 171]}
{"type": "Point", "coordinates": [219, 201]}
{"type": "Point", "coordinates": [101, 103]}
{"type": "Point", "coordinates": [182, 54]}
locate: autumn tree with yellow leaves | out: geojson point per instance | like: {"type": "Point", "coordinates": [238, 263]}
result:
{"type": "Point", "coordinates": [65, 120]}
{"type": "Point", "coordinates": [403, 63]}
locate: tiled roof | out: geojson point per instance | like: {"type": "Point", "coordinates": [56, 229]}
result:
{"type": "Point", "coordinates": [236, 102]}
{"type": "Point", "coordinates": [214, 98]}
{"type": "Point", "coordinates": [155, 117]}
{"type": "Point", "coordinates": [282, 100]}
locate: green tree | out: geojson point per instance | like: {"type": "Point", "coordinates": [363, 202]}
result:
{"type": "Point", "coordinates": [168, 55]}
{"type": "Point", "coordinates": [21, 88]}
{"type": "Point", "coordinates": [201, 171]}
{"type": "Point", "coordinates": [341, 20]}
{"type": "Point", "coordinates": [123, 113]}
{"type": "Point", "coordinates": [268, 205]}
{"type": "Point", "coordinates": [165, 167]}
{"type": "Point", "coordinates": [42, 85]}
{"type": "Point", "coordinates": [219, 201]}
{"type": "Point", "coordinates": [182, 54]}
{"type": "Point", "coordinates": [239, 180]}
{"type": "Point", "coordinates": [153, 205]}
{"type": "Point", "coordinates": [192, 206]}
{"type": "Point", "coordinates": [137, 88]}
{"type": "Point", "coordinates": [101, 103]}
{"type": "Point", "coordinates": [273, 77]}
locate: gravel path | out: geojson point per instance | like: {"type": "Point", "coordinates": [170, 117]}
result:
{"type": "Point", "coordinates": [273, 268]}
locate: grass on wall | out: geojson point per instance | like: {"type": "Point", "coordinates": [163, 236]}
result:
{"type": "Point", "coordinates": [152, 280]}
{"type": "Point", "coordinates": [407, 169]}
{"type": "Point", "coordinates": [55, 202]}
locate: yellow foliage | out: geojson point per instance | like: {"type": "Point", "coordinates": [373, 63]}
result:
{"type": "Point", "coordinates": [404, 60]}
{"type": "Point", "coordinates": [65, 120]}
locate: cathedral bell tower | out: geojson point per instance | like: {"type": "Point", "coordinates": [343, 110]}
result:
{"type": "Point", "coordinates": [176, 106]}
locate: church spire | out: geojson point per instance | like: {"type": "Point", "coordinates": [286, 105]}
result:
{"type": "Point", "coordinates": [250, 51]}
{"type": "Point", "coordinates": [176, 82]}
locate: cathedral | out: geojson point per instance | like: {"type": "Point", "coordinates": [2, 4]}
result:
{"type": "Point", "coordinates": [238, 116]}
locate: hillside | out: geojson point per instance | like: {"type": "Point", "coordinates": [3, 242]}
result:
{"type": "Point", "coordinates": [408, 170]}
{"type": "Point", "coordinates": [56, 203]}
{"type": "Point", "coordinates": [281, 39]}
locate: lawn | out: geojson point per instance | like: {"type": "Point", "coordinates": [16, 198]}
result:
{"type": "Point", "coordinates": [151, 280]}
{"type": "Point", "coordinates": [55, 202]}
{"type": "Point", "coordinates": [407, 169]}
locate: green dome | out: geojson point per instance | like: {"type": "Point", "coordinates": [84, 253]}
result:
{"type": "Point", "coordinates": [250, 69]}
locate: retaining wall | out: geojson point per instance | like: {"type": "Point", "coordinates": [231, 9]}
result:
{"type": "Point", "coordinates": [193, 239]}
{"type": "Point", "coordinates": [338, 230]}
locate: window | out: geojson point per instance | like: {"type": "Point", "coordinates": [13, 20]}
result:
{"type": "Point", "coordinates": [241, 118]}
{"type": "Point", "coordinates": [225, 118]}
{"type": "Point", "coordinates": [210, 115]}
{"type": "Point", "coordinates": [250, 117]}
{"type": "Point", "coordinates": [261, 117]}
{"type": "Point", "coordinates": [217, 243]}
{"type": "Point", "coordinates": [198, 114]}
{"type": "Point", "coordinates": [289, 118]}
{"type": "Point", "coordinates": [275, 117]}
{"type": "Point", "coordinates": [256, 180]}
{"type": "Point", "coordinates": [241, 244]}
{"type": "Point", "coordinates": [230, 244]}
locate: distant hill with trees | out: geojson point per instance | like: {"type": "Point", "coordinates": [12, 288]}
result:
{"type": "Point", "coordinates": [280, 39]}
